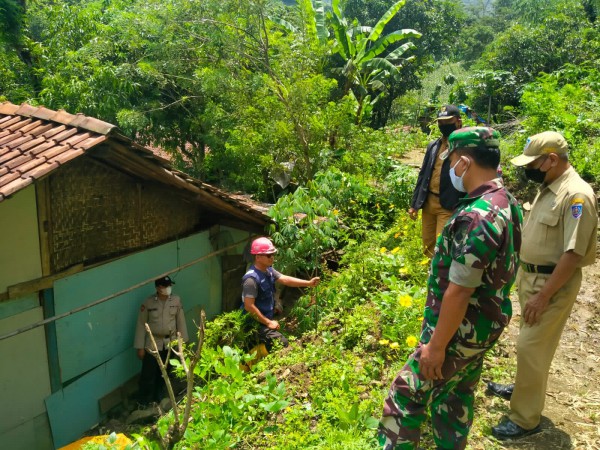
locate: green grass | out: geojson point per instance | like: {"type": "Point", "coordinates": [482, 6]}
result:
{"type": "Point", "coordinates": [334, 377]}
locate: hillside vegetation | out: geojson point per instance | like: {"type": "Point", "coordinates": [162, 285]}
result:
{"type": "Point", "coordinates": [312, 107]}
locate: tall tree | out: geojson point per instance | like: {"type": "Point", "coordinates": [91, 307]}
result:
{"type": "Point", "coordinates": [439, 21]}
{"type": "Point", "coordinates": [370, 66]}
{"type": "Point", "coordinates": [16, 76]}
{"type": "Point", "coordinates": [11, 18]}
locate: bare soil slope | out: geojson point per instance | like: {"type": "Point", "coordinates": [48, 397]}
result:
{"type": "Point", "coordinates": [571, 419]}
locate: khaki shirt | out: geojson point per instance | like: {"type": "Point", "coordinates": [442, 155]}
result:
{"type": "Point", "coordinates": [165, 318]}
{"type": "Point", "coordinates": [563, 217]}
{"type": "Point", "coordinates": [434, 182]}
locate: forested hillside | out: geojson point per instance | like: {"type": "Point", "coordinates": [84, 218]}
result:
{"type": "Point", "coordinates": [220, 83]}
{"type": "Point", "coordinates": [313, 107]}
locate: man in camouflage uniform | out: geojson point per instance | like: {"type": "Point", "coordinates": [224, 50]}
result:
{"type": "Point", "coordinates": [472, 270]}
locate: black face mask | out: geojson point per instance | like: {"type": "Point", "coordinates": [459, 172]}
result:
{"type": "Point", "coordinates": [447, 129]}
{"type": "Point", "coordinates": [535, 175]}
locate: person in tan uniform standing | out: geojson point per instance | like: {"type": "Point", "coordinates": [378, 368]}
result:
{"type": "Point", "coordinates": [434, 193]}
{"type": "Point", "coordinates": [163, 312]}
{"type": "Point", "coordinates": [559, 238]}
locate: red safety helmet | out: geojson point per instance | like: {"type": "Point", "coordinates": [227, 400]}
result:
{"type": "Point", "coordinates": [262, 246]}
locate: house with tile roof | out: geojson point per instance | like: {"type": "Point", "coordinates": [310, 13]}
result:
{"type": "Point", "coordinates": [88, 219]}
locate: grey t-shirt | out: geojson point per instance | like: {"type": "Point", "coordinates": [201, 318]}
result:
{"type": "Point", "coordinates": [250, 286]}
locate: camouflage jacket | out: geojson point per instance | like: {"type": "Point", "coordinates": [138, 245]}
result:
{"type": "Point", "coordinates": [477, 248]}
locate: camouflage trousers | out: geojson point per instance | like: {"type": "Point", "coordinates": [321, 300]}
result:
{"type": "Point", "coordinates": [450, 402]}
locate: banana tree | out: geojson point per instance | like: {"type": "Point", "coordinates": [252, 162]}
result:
{"type": "Point", "coordinates": [315, 23]}
{"type": "Point", "coordinates": [313, 14]}
{"type": "Point", "coordinates": [370, 62]}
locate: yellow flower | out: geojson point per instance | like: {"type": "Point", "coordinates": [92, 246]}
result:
{"type": "Point", "coordinates": [382, 250]}
{"type": "Point", "coordinates": [384, 342]}
{"type": "Point", "coordinates": [403, 270]}
{"type": "Point", "coordinates": [335, 212]}
{"type": "Point", "coordinates": [411, 341]}
{"type": "Point", "coordinates": [395, 250]}
{"type": "Point", "coordinates": [394, 345]}
{"type": "Point", "coordinates": [396, 235]}
{"type": "Point", "coordinates": [424, 262]}
{"type": "Point", "coordinates": [420, 319]}
{"type": "Point", "coordinates": [406, 301]}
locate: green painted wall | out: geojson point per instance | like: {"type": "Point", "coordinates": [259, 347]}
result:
{"type": "Point", "coordinates": [20, 255]}
{"type": "Point", "coordinates": [18, 305]}
{"type": "Point", "coordinates": [24, 380]}
{"type": "Point", "coordinates": [34, 434]}
{"type": "Point", "coordinates": [95, 346]}
{"type": "Point", "coordinates": [24, 383]}
{"type": "Point", "coordinates": [91, 337]}
{"type": "Point", "coordinates": [95, 350]}
{"type": "Point", "coordinates": [74, 409]}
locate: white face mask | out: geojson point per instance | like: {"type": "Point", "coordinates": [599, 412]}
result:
{"type": "Point", "coordinates": [164, 290]}
{"type": "Point", "coordinates": [457, 181]}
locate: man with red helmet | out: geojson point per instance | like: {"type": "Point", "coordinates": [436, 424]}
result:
{"type": "Point", "coordinates": [258, 290]}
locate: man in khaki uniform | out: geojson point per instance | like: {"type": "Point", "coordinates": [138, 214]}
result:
{"type": "Point", "coordinates": [163, 313]}
{"type": "Point", "coordinates": [559, 238]}
{"type": "Point", "coordinates": [434, 193]}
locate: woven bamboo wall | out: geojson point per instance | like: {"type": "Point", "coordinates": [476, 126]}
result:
{"type": "Point", "coordinates": [97, 213]}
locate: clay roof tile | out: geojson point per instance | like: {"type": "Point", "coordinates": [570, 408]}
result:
{"type": "Point", "coordinates": [25, 110]}
{"type": "Point", "coordinates": [19, 125]}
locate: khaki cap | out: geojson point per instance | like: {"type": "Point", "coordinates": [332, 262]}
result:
{"type": "Point", "coordinates": [541, 144]}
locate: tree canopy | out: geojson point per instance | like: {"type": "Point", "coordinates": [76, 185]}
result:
{"type": "Point", "coordinates": [243, 93]}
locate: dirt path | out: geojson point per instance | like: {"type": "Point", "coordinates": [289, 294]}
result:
{"type": "Point", "coordinates": [573, 402]}
{"type": "Point", "coordinates": [571, 418]}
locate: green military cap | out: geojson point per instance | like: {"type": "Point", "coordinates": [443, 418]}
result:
{"type": "Point", "coordinates": [472, 137]}
{"type": "Point", "coordinates": [541, 144]}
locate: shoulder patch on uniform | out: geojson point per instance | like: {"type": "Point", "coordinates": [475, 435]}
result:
{"type": "Point", "coordinates": [577, 208]}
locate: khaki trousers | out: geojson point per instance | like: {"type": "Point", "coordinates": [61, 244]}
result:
{"type": "Point", "coordinates": [536, 346]}
{"type": "Point", "coordinates": [434, 217]}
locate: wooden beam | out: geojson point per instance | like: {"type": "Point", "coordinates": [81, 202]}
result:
{"type": "Point", "coordinates": [252, 228]}
{"type": "Point", "coordinates": [127, 157]}
{"type": "Point", "coordinates": [28, 287]}
{"type": "Point", "coordinates": [42, 193]}
{"type": "Point", "coordinates": [121, 292]}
